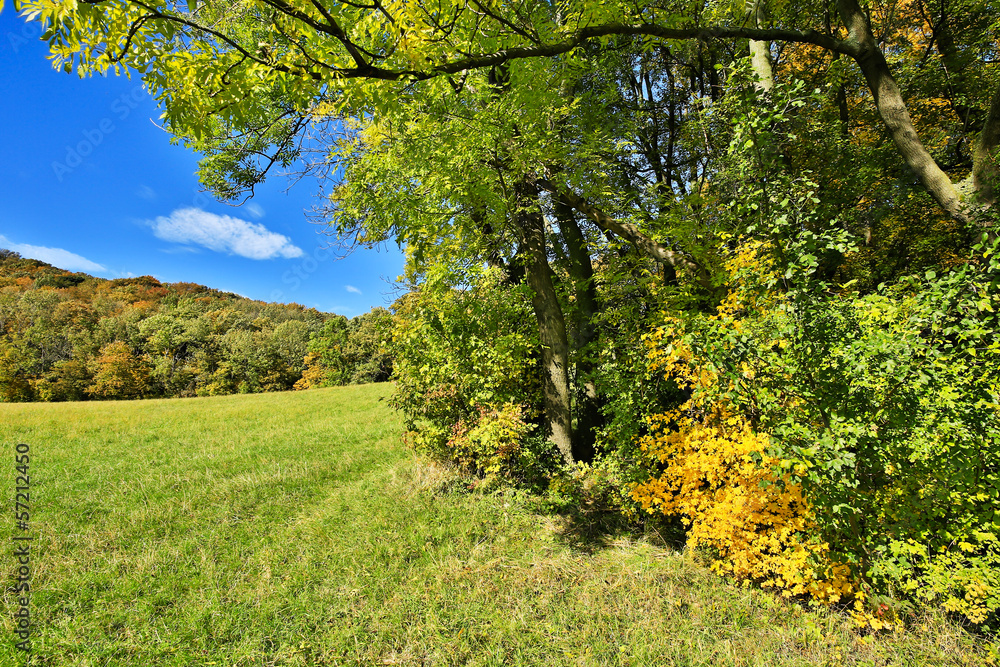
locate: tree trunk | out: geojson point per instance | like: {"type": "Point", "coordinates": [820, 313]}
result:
{"type": "Point", "coordinates": [760, 52]}
{"type": "Point", "coordinates": [581, 269]}
{"type": "Point", "coordinates": [841, 95]}
{"type": "Point", "coordinates": [955, 64]}
{"type": "Point", "coordinates": [631, 233]}
{"type": "Point", "coordinates": [842, 108]}
{"type": "Point", "coordinates": [895, 115]}
{"type": "Point", "coordinates": [551, 325]}
{"type": "Point", "coordinates": [985, 168]}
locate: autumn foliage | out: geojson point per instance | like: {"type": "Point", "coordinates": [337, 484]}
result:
{"type": "Point", "coordinates": [840, 448]}
{"type": "Point", "coordinates": [119, 373]}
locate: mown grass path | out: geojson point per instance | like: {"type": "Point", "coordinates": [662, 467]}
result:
{"type": "Point", "coordinates": [294, 529]}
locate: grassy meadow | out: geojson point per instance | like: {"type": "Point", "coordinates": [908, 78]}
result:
{"type": "Point", "coordinates": [295, 529]}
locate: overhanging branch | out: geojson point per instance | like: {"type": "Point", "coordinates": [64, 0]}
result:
{"type": "Point", "coordinates": [572, 40]}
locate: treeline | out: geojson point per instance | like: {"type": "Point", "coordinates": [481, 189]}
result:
{"type": "Point", "coordinates": [70, 336]}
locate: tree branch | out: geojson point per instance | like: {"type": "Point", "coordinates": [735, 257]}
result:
{"type": "Point", "coordinates": [627, 231]}
{"type": "Point", "coordinates": [484, 60]}
{"type": "Point", "coordinates": [892, 108]}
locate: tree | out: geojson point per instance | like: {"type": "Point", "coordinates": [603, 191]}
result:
{"type": "Point", "coordinates": [120, 373]}
{"type": "Point", "coordinates": [171, 339]}
{"type": "Point", "coordinates": [324, 360]}
{"type": "Point", "coordinates": [354, 351]}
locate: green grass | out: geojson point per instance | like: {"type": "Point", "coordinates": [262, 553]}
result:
{"type": "Point", "coordinates": [294, 529]}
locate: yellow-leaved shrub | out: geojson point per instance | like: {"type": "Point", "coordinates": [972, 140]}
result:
{"type": "Point", "coordinates": [718, 478]}
{"type": "Point", "coordinates": [837, 443]}
{"type": "Point", "coordinates": [713, 470]}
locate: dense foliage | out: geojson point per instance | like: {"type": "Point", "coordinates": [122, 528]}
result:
{"type": "Point", "coordinates": [355, 351]}
{"type": "Point", "coordinates": [871, 419]}
{"type": "Point", "coordinates": [69, 336]}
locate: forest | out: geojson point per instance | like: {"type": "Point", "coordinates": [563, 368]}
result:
{"type": "Point", "coordinates": [69, 336]}
{"type": "Point", "coordinates": [732, 264]}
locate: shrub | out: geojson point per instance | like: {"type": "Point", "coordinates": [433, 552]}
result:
{"type": "Point", "coordinates": [459, 349]}
{"type": "Point", "coordinates": [718, 477]}
{"type": "Point", "coordinates": [881, 410]}
{"type": "Point", "coordinates": [494, 442]}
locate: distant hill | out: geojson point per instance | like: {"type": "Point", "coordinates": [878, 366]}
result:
{"type": "Point", "coordinates": [28, 273]}
{"type": "Point", "coordinates": [73, 336]}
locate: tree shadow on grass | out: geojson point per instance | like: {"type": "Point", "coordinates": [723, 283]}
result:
{"type": "Point", "coordinates": [591, 529]}
{"type": "Point", "coordinates": [586, 523]}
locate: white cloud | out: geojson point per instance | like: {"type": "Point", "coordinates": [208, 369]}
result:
{"type": "Point", "coordinates": [146, 192]}
{"type": "Point", "coordinates": [63, 259]}
{"type": "Point", "coordinates": [352, 289]}
{"type": "Point", "coordinates": [256, 210]}
{"type": "Point", "coordinates": [223, 233]}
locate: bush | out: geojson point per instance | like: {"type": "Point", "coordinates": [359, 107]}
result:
{"type": "Point", "coordinates": [460, 354]}
{"type": "Point", "coordinates": [881, 409]}
{"type": "Point", "coordinates": [496, 443]}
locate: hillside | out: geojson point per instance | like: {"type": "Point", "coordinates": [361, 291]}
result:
{"type": "Point", "coordinates": [72, 336]}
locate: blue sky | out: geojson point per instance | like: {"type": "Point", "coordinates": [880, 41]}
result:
{"type": "Point", "coordinates": [88, 182]}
